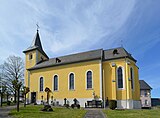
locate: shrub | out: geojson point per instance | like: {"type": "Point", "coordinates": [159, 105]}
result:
{"type": "Point", "coordinates": [72, 106]}
{"type": "Point", "coordinates": [47, 108]}
{"type": "Point", "coordinates": [9, 103]}
{"type": "Point", "coordinates": [112, 104]}
{"type": "Point", "coordinates": [158, 107]}
{"type": "Point", "coordinates": [43, 109]}
{"type": "Point", "coordinates": [78, 106]}
{"type": "Point", "coordinates": [50, 109]}
{"type": "Point", "coordinates": [66, 105]}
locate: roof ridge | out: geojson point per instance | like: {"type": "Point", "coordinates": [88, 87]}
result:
{"type": "Point", "coordinates": [113, 48]}
{"type": "Point", "coordinates": [144, 83]}
{"type": "Point", "coordinates": [77, 53]}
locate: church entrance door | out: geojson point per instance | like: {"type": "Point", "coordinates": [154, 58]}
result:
{"type": "Point", "coordinates": [33, 97]}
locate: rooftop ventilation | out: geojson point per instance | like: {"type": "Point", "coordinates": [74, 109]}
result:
{"type": "Point", "coordinates": [58, 60]}
{"type": "Point", "coordinates": [115, 52]}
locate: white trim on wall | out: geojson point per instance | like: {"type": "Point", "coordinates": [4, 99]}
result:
{"type": "Point", "coordinates": [28, 78]}
{"type": "Point", "coordinates": [70, 101]}
{"type": "Point", "coordinates": [86, 79]}
{"type": "Point", "coordinates": [121, 104]}
{"type": "Point", "coordinates": [28, 82]}
{"type": "Point", "coordinates": [100, 78]}
{"type": "Point", "coordinates": [132, 78]}
{"type": "Point", "coordinates": [123, 77]}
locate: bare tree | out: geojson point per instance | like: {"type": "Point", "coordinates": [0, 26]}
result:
{"type": "Point", "coordinates": [25, 91]}
{"type": "Point", "coordinates": [17, 86]}
{"type": "Point", "coordinates": [2, 86]}
{"type": "Point", "coordinates": [4, 89]}
{"type": "Point", "coordinates": [2, 92]}
{"type": "Point", "coordinates": [13, 69]}
{"type": "Point", "coordinates": [13, 73]}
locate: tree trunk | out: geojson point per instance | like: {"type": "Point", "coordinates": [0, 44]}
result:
{"type": "Point", "coordinates": [18, 100]}
{"type": "Point", "coordinates": [1, 99]}
{"type": "Point", "coordinates": [15, 96]}
{"type": "Point", "coordinates": [24, 100]}
{"type": "Point", "coordinates": [7, 96]}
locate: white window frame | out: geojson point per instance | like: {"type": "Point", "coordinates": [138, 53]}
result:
{"type": "Point", "coordinates": [69, 81]}
{"type": "Point", "coordinates": [57, 83]}
{"type": "Point", "coordinates": [132, 77]}
{"type": "Point", "coordinates": [122, 76]}
{"type": "Point", "coordinates": [86, 80]}
{"type": "Point", "coordinates": [39, 84]}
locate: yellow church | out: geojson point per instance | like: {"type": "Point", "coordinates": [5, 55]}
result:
{"type": "Point", "coordinates": [97, 74]}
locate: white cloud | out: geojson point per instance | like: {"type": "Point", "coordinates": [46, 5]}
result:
{"type": "Point", "coordinates": [83, 24]}
{"type": "Point", "coordinates": [65, 27]}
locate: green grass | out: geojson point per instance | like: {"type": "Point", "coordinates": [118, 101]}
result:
{"type": "Point", "coordinates": [153, 113]}
{"type": "Point", "coordinates": [34, 112]}
{"type": "Point", "coordinates": [4, 104]}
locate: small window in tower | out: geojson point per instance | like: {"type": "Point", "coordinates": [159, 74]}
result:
{"type": "Point", "coordinates": [30, 56]}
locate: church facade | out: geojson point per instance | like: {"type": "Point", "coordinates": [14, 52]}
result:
{"type": "Point", "coordinates": [98, 74]}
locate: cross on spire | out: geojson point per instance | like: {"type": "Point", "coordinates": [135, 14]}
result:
{"type": "Point", "coordinates": [37, 26]}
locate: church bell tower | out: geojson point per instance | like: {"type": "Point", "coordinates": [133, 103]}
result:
{"type": "Point", "coordinates": [34, 54]}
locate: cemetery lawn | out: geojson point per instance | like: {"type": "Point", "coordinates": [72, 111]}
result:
{"type": "Point", "coordinates": [33, 111]}
{"type": "Point", "coordinates": [139, 113]}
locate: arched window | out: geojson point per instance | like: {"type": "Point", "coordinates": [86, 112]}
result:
{"type": "Point", "coordinates": [71, 81]}
{"type": "Point", "coordinates": [120, 77]}
{"type": "Point", "coordinates": [132, 77]}
{"type": "Point", "coordinates": [55, 83]}
{"type": "Point", "coordinates": [41, 84]}
{"type": "Point", "coordinates": [89, 79]}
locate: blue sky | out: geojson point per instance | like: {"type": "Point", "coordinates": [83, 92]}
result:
{"type": "Point", "coordinates": [71, 26]}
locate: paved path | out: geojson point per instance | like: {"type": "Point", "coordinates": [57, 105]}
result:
{"type": "Point", "coordinates": [94, 114]}
{"type": "Point", "coordinates": [4, 111]}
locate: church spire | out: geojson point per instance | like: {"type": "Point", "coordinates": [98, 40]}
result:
{"type": "Point", "coordinates": [37, 27]}
{"type": "Point", "coordinates": [36, 44]}
{"type": "Point", "coordinates": [36, 41]}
